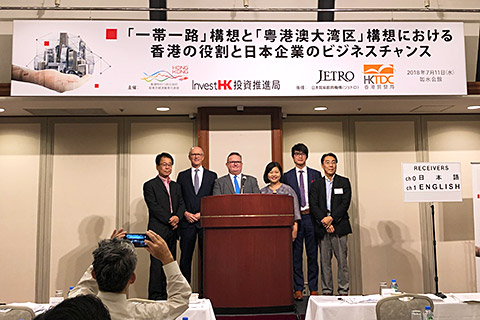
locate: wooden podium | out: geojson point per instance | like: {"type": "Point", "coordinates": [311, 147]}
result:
{"type": "Point", "coordinates": [248, 252]}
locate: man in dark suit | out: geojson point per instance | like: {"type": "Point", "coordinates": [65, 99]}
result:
{"type": "Point", "coordinates": [196, 182]}
{"type": "Point", "coordinates": [329, 201]}
{"type": "Point", "coordinates": [300, 179]}
{"type": "Point", "coordinates": [165, 209]}
{"type": "Point", "coordinates": [235, 182]}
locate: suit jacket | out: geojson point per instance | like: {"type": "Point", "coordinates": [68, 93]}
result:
{"type": "Point", "coordinates": [224, 185]}
{"type": "Point", "coordinates": [290, 178]}
{"type": "Point", "coordinates": [340, 201]}
{"type": "Point", "coordinates": [158, 203]}
{"type": "Point", "coordinates": [192, 200]}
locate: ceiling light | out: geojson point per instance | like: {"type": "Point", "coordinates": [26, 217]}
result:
{"type": "Point", "coordinates": [2, 110]}
{"type": "Point", "coordinates": [320, 108]}
{"type": "Point", "coordinates": [473, 107]}
{"type": "Point", "coordinates": [163, 109]}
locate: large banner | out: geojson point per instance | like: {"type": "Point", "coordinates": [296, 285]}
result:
{"type": "Point", "coordinates": [152, 58]}
{"type": "Point", "coordinates": [476, 212]}
{"type": "Point", "coordinates": [432, 182]}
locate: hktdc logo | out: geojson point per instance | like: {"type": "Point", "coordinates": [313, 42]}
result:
{"type": "Point", "coordinates": [378, 73]}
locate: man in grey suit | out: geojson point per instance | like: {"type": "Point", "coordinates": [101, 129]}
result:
{"type": "Point", "coordinates": [235, 182]}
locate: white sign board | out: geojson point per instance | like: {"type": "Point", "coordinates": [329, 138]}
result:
{"type": "Point", "coordinates": [156, 58]}
{"type": "Point", "coordinates": [432, 182]}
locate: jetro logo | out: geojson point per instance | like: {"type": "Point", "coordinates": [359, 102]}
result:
{"type": "Point", "coordinates": [378, 73]}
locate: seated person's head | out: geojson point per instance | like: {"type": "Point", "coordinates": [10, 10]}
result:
{"type": "Point", "coordinates": [77, 308]}
{"type": "Point", "coordinates": [114, 263]}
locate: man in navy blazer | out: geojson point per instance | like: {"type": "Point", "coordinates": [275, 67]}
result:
{"type": "Point", "coordinates": [196, 182]}
{"type": "Point", "coordinates": [165, 209]}
{"type": "Point", "coordinates": [300, 179]}
{"type": "Point", "coordinates": [329, 201]}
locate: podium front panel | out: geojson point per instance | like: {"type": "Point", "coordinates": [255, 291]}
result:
{"type": "Point", "coordinates": [248, 251]}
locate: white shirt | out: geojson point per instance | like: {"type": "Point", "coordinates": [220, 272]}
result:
{"type": "Point", "coordinates": [328, 190]}
{"type": "Point", "coordinates": [305, 185]}
{"type": "Point", "coordinates": [200, 175]}
{"type": "Point", "coordinates": [122, 308]}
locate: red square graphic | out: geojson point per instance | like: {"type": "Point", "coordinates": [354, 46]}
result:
{"type": "Point", "coordinates": [97, 86]}
{"type": "Point", "coordinates": [111, 34]}
{"type": "Point", "coordinates": [46, 43]}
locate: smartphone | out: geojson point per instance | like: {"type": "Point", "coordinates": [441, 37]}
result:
{"type": "Point", "coordinates": [138, 239]}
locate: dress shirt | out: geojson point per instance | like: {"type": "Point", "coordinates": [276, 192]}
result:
{"type": "Point", "coordinates": [122, 308]}
{"type": "Point", "coordinates": [200, 175]}
{"type": "Point", "coordinates": [328, 190]}
{"type": "Point", "coordinates": [166, 182]}
{"type": "Point", "coordinates": [305, 184]}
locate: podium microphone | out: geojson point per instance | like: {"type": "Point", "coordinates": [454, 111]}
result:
{"type": "Point", "coordinates": [242, 184]}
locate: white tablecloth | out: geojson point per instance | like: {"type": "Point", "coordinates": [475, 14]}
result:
{"type": "Point", "coordinates": [357, 307]}
{"type": "Point", "coordinates": [201, 310]}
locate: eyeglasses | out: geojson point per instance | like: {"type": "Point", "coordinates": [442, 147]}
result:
{"type": "Point", "coordinates": [196, 154]}
{"type": "Point", "coordinates": [164, 164]}
{"type": "Point", "coordinates": [234, 162]}
{"type": "Point", "coordinates": [298, 154]}
{"type": "Point", "coordinates": [330, 162]}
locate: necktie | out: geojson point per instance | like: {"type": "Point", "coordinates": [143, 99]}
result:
{"type": "Point", "coordinates": [235, 183]}
{"type": "Point", "coordinates": [303, 203]}
{"type": "Point", "coordinates": [196, 183]}
{"type": "Point", "coordinates": [167, 186]}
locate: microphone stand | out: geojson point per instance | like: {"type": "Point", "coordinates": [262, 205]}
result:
{"type": "Point", "coordinates": [242, 184]}
{"type": "Point", "coordinates": [437, 293]}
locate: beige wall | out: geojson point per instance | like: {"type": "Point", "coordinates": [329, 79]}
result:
{"type": "Point", "coordinates": [74, 179]}
{"type": "Point", "coordinates": [319, 135]}
{"type": "Point", "coordinates": [389, 228]}
{"type": "Point", "coordinates": [19, 176]}
{"type": "Point", "coordinates": [248, 135]}
{"type": "Point", "coordinates": [47, 167]}
{"type": "Point", "coordinates": [83, 197]}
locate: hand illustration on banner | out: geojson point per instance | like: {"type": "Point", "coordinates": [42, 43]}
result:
{"type": "Point", "coordinates": [49, 78]}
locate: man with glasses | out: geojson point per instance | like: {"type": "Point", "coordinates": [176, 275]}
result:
{"type": "Point", "coordinates": [196, 182]}
{"type": "Point", "coordinates": [300, 179]}
{"type": "Point", "coordinates": [165, 209]}
{"type": "Point", "coordinates": [235, 182]}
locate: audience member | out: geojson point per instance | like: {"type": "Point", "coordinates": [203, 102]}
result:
{"type": "Point", "coordinates": [113, 271]}
{"type": "Point", "coordinates": [77, 308]}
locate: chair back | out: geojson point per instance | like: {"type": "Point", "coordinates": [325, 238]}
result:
{"type": "Point", "coordinates": [399, 307]}
{"type": "Point", "coordinates": [8, 312]}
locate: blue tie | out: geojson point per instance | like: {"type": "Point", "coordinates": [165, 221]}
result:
{"type": "Point", "coordinates": [237, 187]}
